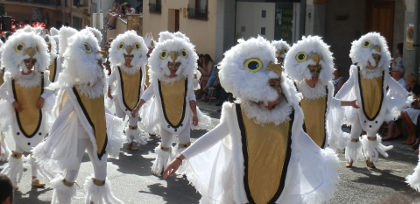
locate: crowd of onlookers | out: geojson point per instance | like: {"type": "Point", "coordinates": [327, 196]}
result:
{"type": "Point", "coordinates": [210, 88]}
{"type": "Point", "coordinates": [121, 9]}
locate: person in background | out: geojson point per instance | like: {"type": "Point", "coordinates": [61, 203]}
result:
{"type": "Point", "coordinates": [6, 190]}
{"type": "Point", "coordinates": [338, 80]}
{"type": "Point", "coordinates": [399, 53]}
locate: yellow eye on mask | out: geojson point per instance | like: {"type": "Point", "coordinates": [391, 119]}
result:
{"type": "Point", "coordinates": [301, 56]}
{"type": "Point", "coordinates": [164, 54]}
{"type": "Point", "coordinates": [20, 47]}
{"type": "Point", "coordinates": [366, 44]}
{"type": "Point", "coordinates": [253, 64]}
{"type": "Point", "coordinates": [184, 53]}
{"type": "Point", "coordinates": [120, 46]}
{"type": "Point", "coordinates": [87, 48]}
{"type": "Point", "coordinates": [137, 46]}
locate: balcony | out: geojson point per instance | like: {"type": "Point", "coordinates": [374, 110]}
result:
{"type": "Point", "coordinates": [197, 13]}
{"type": "Point", "coordinates": [42, 2]}
{"type": "Point", "coordinates": [155, 8]}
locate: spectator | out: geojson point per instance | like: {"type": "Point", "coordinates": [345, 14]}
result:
{"type": "Point", "coordinates": [399, 53]}
{"type": "Point", "coordinates": [410, 115]}
{"type": "Point", "coordinates": [338, 80]}
{"type": "Point", "coordinates": [206, 69]}
{"type": "Point", "coordinates": [6, 190]}
{"type": "Point", "coordinates": [397, 72]}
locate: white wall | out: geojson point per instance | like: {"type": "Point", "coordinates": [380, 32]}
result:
{"type": "Point", "coordinates": [249, 21]}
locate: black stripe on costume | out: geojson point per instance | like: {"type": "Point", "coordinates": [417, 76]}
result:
{"type": "Point", "coordinates": [122, 88]}
{"type": "Point", "coordinates": [90, 122]}
{"type": "Point", "coordinates": [55, 70]}
{"type": "Point", "coordinates": [245, 154]}
{"type": "Point", "coordinates": [40, 110]}
{"type": "Point", "coordinates": [361, 96]}
{"type": "Point", "coordinates": [325, 119]}
{"type": "Point", "coordinates": [183, 106]}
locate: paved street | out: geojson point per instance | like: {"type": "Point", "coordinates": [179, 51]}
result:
{"type": "Point", "coordinates": [132, 181]}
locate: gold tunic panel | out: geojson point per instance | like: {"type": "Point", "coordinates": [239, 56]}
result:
{"type": "Point", "coordinates": [30, 117]}
{"type": "Point", "coordinates": [130, 88]}
{"type": "Point", "coordinates": [147, 82]}
{"type": "Point", "coordinates": [173, 98]}
{"type": "Point", "coordinates": [267, 148]}
{"type": "Point", "coordinates": [52, 69]}
{"type": "Point", "coordinates": [1, 79]}
{"type": "Point", "coordinates": [314, 111]}
{"type": "Point", "coordinates": [94, 111]}
{"type": "Point", "coordinates": [371, 92]}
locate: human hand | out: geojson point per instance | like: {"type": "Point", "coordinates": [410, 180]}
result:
{"type": "Point", "coordinates": [195, 120]}
{"type": "Point", "coordinates": [17, 107]}
{"type": "Point", "coordinates": [173, 166]}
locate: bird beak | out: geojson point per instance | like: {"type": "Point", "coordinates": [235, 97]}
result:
{"type": "Point", "coordinates": [316, 58]}
{"type": "Point", "coordinates": [31, 52]}
{"type": "Point", "coordinates": [174, 55]}
{"type": "Point", "coordinates": [129, 49]}
{"type": "Point", "coordinates": [276, 68]}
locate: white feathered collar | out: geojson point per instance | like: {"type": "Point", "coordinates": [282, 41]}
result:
{"type": "Point", "coordinates": [312, 93]}
{"type": "Point", "coordinates": [370, 74]}
{"type": "Point", "coordinates": [131, 70]}
{"type": "Point", "coordinates": [261, 115]}
{"type": "Point", "coordinates": [30, 80]}
{"type": "Point", "coordinates": [92, 91]}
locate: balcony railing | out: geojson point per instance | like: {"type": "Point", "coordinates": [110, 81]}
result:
{"type": "Point", "coordinates": [197, 13]}
{"type": "Point", "coordinates": [43, 2]}
{"type": "Point", "coordinates": [155, 8]}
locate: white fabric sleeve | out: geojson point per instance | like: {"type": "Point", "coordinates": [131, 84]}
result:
{"type": "Point", "coordinates": [147, 94]}
{"type": "Point", "coordinates": [111, 79]}
{"type": "Point", "coordinates": [395, 88]}
{"type": "Point", "coordinates": [207, 140]}
{"type": "Point", "coordinates": [191, 95]}
{"type": "Point", "coordinates": [346, 88]}
{"type": "Point", "coordinates": [335, 103]}
{"type": "Point", "coordinates": [4, 93]}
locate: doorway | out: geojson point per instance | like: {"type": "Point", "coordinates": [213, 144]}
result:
{"type": "Point", "coordinates": [173, 20]}
{"type": "Point", "coordinates": [380, 18]}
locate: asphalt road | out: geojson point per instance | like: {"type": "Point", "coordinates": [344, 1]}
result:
{"type": "Point", "coordinates": [132, 181]}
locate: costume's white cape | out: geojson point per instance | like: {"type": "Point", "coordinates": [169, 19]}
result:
{"type": "Point", "coordinates": [414, 179]}
{"type": "Point", "coordinates": [57, 151]}
{"type": "Point", "coordinates": [218, 172]}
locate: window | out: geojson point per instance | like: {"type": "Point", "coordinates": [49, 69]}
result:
{"type": "Point", "coordinates": [198, 9]}
{"type": "Point", "coordinates": [262, 30]}
{"type": "Point", "coordinates": [155, 6]}
{"type": "Point", "coordinates": [263, 13]}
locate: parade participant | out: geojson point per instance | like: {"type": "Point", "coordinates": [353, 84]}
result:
{"type": "Point", "coordinates": [173, 108]}
{"type": "Point", "coordinates": [52, 50]}
{"type": "Point", "coordinates": [414, 179]}
{"type": "Point", "coordinates": [281, 49]}
{"type": "Point", "coordinates": [127, 81]}
{"type": "Point", "coordinates": [82, 124]}
{"type": "Point", "coordinates": [379, 96]}
{"type": "Point", "coordinates": [63, 40]}
{"type": "Point", "coordinates": [4, 149]}
{"type": "Point", "coordinates": [309, 63]}
{"type": "Point", "coordinates": [258, 153]}
{"type": "Point", "coordinates": [25, 58]}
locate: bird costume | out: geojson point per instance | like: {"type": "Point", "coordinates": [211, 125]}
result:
{"type": "Point", "coordinates": [172, 110]}
{"type": "Point", "coordinates": [24, 91]}
{"type": "Point", "coordinates": [379, 96]}
{"type": "Point", "coordinates": [4, 149]}
{"type": "Point", "coordinates": [281, 49]}
{"type": "Point", "coordinates": [259, 153]}
{"type": "Point", "coordinates": [127, 81]}
{"type": "Point", "coordinates": [82, 123]}
{"type": "Point", "coordinates": [318, 101]}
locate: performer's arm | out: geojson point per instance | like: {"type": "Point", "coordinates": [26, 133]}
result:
{"type": "Point", "coordinates": [193, 106]}
{"type": "Point", "coordinates": [205, 142]}
{"type": "Point", "coordinates": [111, 80]}
{"type": "Point", "coordinates": [4, 94]}
{"type": "Point", "coordinates": [396, 88]}
{"type": "Point", "coordinates": [346, 88]}
{"type": "Point", "coordinates": [146, 96]}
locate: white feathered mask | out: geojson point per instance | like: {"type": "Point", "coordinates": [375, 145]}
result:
{"type": "Point", "coordinates": [81, 60]}
{"type": "Point", "coordinates": [246, 69]}
{"type": "Point", "coordinates": [173, 49]}
{"type": "Point", "coordinates": [95, 32]}
{"type": "Point", "coordinates": [127, 44]}
{"type": "Point", "coordinates": [310, 50]}
{"type": "Point", "coordinates": [52, 47]}
{"type": "Point", "coordinates": [22, 46]}
{"type": "Point", "coordinates": [64, 35]}
{"type": "Point", "coordinates": [371, 43]}
{"type": "Point", "coordinates": [281, 48]}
